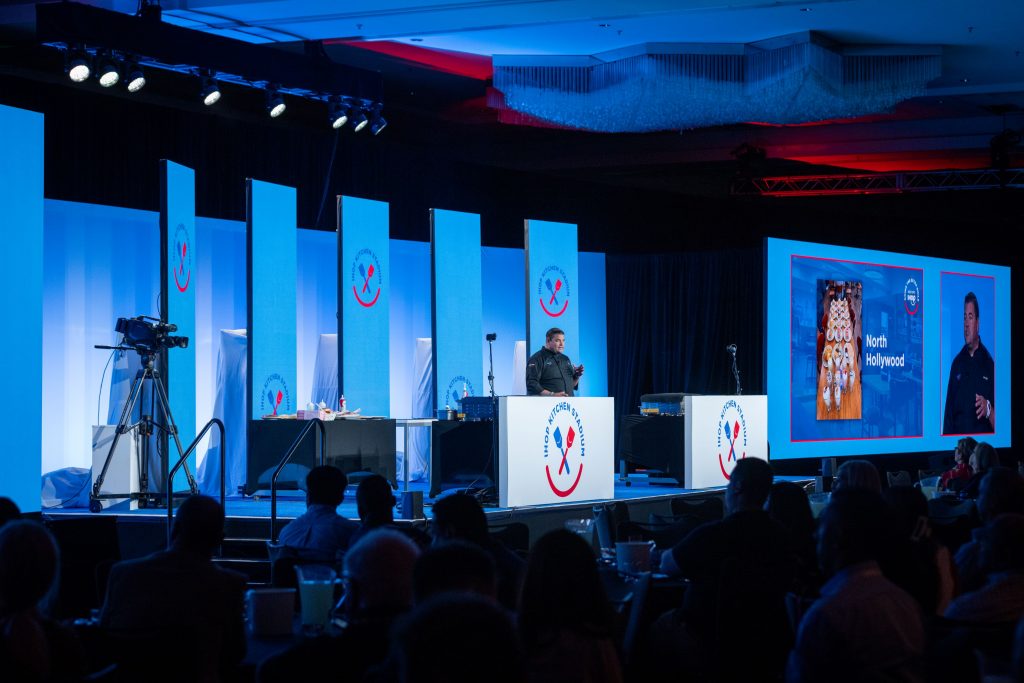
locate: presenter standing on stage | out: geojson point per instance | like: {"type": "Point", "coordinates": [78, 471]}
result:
{"type": "Point", "coordinates": [549, 372]}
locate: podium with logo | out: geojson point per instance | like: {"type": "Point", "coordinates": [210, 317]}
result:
{"type": "Point", "coordinates": [720, 431]}
{"type": "Point", "coordinates": [555, 450]}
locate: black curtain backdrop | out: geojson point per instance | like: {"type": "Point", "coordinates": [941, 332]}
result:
{"type": "Point", "coordinates": [670, 317]}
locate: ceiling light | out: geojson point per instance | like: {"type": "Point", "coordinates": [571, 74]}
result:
{"type": "Point", "coordinates": [209, 91]}
{"type": "Point", "coordinates": [275, 103]}
{"type": "Point", "coordinates": [78, 67]}
{"type": "Point", "coordinates": [135, 78]}
{"type": "Point", "coordinates": [337, 112]}
{"type": "Point", "coordinates": [358, 120]}
{"type": "Point", "coordinates": [108, 73]}
{"type": "Point", "coordinates": [377, 122]}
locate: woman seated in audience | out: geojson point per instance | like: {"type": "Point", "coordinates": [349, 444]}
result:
{"type": "Point", "coordinates": [954, 479]}
{"type": "Point", "coordinates": [32, 646]}
{"type": "Point", "coordinates": [565, 620]}
{"type": "Point", "coordinates": [983, 458]}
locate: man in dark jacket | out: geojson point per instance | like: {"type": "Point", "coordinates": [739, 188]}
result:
{"type": "Point", "coordinates": [549, 372]}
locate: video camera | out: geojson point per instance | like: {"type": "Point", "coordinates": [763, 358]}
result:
{"type": "Point", "coordinates": [148, 337]}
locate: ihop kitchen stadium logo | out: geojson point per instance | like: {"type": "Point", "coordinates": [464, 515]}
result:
{"type": "Point", "coordinates": [180, 258]}
{"type": "Point", "coordinates": [564, 448]}
{"type": "Point", "coordinates": [367, 278]}
{"type": "Point", "coordinates": [732, 437]}
{"type": "Point", "coordinates": [275, 399]}
{"type": "Point", "coordinates": [459, 386]}
{"type": "Point", "coordinates": [911, 296]}
{"type": "Point", "coordinates": [553, 291]}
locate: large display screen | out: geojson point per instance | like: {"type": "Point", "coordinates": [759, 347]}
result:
{"type": "Point", "coordinates": [872, 352]}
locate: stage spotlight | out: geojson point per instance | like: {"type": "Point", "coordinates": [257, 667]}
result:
{"type": "Point", "coordinates": [135, 78]}
{"type": "Point", "coordinates": [337, 113]}
{"type": "Point", "coordinates": [275, 103]}
{"type": "Point", "coordinates": [377, 122]}
{"type": "Point", "coordinates": [209, 91]}
{"type": "Point", "coordinates": [108, 72]}
{"type": "Point", "coordinates": [358, 120]}
{"type": "Point", "coordinates": [78, 67]}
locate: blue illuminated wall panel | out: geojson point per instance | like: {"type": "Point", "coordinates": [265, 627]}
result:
{"type": "Point", "coordinates": [21, 303]}
{"type": "Point", "coordinates": [552, 284]}
{"type": "Point", "coordinates": [457, 306]}
{"type": "Point", "coordinates": [364, 289]}
{"type": "Point", "coordinates": [180, 276]}
{"type": "Point", "coordinates": [593, 343]}
{"type": "Point", "coordinates": [272, 257]}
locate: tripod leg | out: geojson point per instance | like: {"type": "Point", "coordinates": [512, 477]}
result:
{"type": "Point", "coordinates": [122, 428]}
{"type": "Point", "coordinates": [173, 429]}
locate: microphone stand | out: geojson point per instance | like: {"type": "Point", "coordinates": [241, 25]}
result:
{"type": "Point", "coordinates": [736, 373]}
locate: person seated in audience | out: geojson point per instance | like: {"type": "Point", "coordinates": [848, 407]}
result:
{"type": "Point", "coordinates": [455, 566]}
{"type": "Point", "coordinates": [178, 598]}
{"type": "Point", "coordinates": [954, 479]}
{"type": "Point", "coordinates": [378, 571]}
{"type": "Point", "coordinates": [1001, 492]}
{"type": "Point", "coordinates": [1001, 599]}
{"type": "Point", "coordinates": [917, 563]}
{"type": "Point", "coordinates": [33, 647]}
{"type": "Point", "coordinates": [457, 638]}
{"type": "Point", "coordinates": [857, 474]}
{"type": "Point", "coordinates": [788, 505]}
{"type": "Point", "coordinates": [864, 627]}
{"type": "Point", "coordinates": [320, 534]}
{"type": "Point", "coordinates": [983, 458]}
{"type": "Point", "coordinates": [740, 569]}
{"type": "Point", "coordinates": [565, 621]}
{"type": "Point", "coordinates": [459, 516]}
{"type": "Point", "coordinates": [9, 510]}
{"type": "Point", "coordinates": [375, 504]}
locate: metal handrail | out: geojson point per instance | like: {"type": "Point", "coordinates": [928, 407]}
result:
{"type": "Point", "coordinates": [169, 483]}
{"type": "Point", "coordinates": [284, 461]}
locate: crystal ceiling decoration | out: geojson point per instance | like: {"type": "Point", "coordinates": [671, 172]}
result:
{"type": "Point", "coordinates": [669, 86]}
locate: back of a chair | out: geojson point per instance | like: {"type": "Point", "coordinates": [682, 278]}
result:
{"type": "Point", "coordinates": [707, 509]}
{"type": "Point", "coordinates": [607, 519]}
{"type": "Point", "coordinates": [899, 478]}
{"type": "Point", "coordinates": [636, 620]}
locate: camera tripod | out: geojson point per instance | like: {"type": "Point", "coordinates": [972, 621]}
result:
{"type": "Point", "coordinates": [145, 427]}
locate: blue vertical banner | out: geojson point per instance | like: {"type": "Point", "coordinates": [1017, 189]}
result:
{"type": "Point", "coordinates": [21, 302]}
{"type": "Point", "coordinates": [178, 301]}
{"type": "Point", "coordinates": [271, 249]}
{"type": "Point", "coordinates": [364, 290]}
{"type": "Point", "coordinates": [457, 306]}
{"type": "Point", "coordinates": [552, 285]}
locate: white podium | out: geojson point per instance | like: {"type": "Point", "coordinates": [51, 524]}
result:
{"type": "Point", "coordinates": [555, 450]}
{"type": "Point", "coordinates": [720, 430]}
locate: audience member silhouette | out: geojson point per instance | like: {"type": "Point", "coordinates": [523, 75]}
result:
{"type": "Point", "coordinates": [984, 458]}
{"type": "Point", "coordinates": [320, 534]}
{"type": "Point", "coordinates": [460, 516]}
{"type": "Point", "coordinates": [457, 638]}
{"type": "Point", "coordinates": [1001, 599]}
{"type": "Point", "coordinates": [1001, 491]}
{"type": "Point", "coordinates": [375, 503]}
{"type": "Point", "coordinates": [9, 510]}
{"type": "Point", "coordinates": [565, 621]}
{"type": "Point", "coordinates": [179, 599]}
{"type": "Point", "coordinates": [740, 569]}
{"type": "Point", "coordinates": [955, 478]}
{"type": "Point", "coordinates": [864, 627]}
{"type": "Point", "coordinates": [917, 563]}
{"type": "Point", "coordinates": [788, 505]}
{"type": "Point", "coordinates": [857, 474]}
{"type": "Point", "coordinates": [378, 572]}
{"type": "Point", "coordinates": [32, 646]}
{"type": "Point", "coordinates": [455, 566]}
